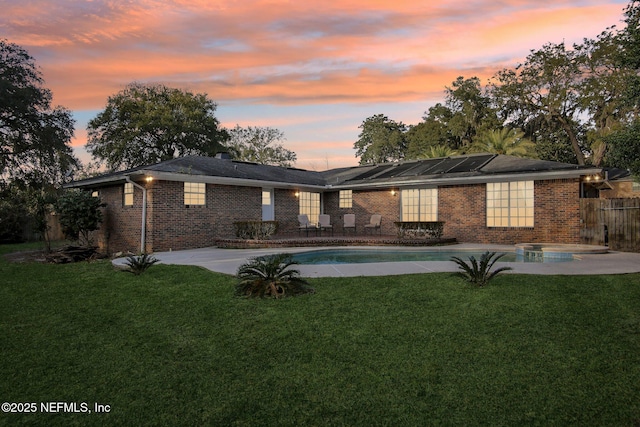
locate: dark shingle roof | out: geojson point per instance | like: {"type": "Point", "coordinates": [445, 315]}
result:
{"type": "Point", "coordinates": [210, 166]}
{"type": "Point", "coordinates": [472, 167]}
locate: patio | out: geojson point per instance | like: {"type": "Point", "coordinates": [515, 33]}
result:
{"type": "Point", "coordinates": [227, 261]}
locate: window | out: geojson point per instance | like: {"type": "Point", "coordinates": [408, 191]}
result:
{"type": "Point", "coordinates": [346, 199]}
{"type": "Point", "coordinates": [194, 193]}
{"type": "Point", "coordinates": [310, 205]}
{"type": "Point", "coordinates": [128, 194]}
{"type": "Point", "coordinates": [266, 197]}
{"type": "Point", "coordinates": [95, 194]}
{"type": "Point", "coordinates": [510, 204]}
{"type": "Point", "coordinates": [268, 209]}
{"type": "Point", "coordinates": [419, 204]}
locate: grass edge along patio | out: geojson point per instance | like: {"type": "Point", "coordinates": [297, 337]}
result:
{"type": "Point", "coordinates": [191, 202]}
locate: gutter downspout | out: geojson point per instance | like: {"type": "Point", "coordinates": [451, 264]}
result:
{"type": "Point", "coordinates": [143, 230]}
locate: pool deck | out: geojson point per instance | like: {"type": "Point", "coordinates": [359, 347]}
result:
{"type": "Point", "coordinates": [228, 260]}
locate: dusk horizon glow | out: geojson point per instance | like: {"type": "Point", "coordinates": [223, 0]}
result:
{"type": "Point", "coordinates": [314, 70]}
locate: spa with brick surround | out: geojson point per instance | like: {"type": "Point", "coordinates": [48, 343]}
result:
{"type": "Point", "coordinates": [192, 202]}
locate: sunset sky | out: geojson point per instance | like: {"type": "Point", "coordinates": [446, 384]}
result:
{"type": "Point", "coordinates": [313, 69]}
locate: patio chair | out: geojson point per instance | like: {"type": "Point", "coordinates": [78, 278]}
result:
{"type": "Point", "coordinates": [349, 222]}
{"type": "Point", "coordinates": [374, 224]}
{"type": "Point", "coordinates": [304, 224]}
{"type": "Point", "coordinates": [325, 223]}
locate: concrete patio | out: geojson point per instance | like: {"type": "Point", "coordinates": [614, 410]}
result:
{"type": "Point", "coordinates": [228, 260]}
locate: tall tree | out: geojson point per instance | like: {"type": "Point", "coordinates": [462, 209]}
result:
{"type": "Point", "coordinates": [604, 83]}
{"type": "Point", "coordinates": [467, 111]}
{"type": "Point", "coordinates": [145, 124]}
{"type": "Point", "coordinates": [545, 86]}
{"type": "Point", "coordinates": [260, 145]}
{"type": "Point", "coordinates": [624, 149]}
{"type": "Point", "coordinates": [472, 111]}
{"type": "Point", "coordinates": [381, 140]}
{"type": "Point", "coordinates": [34, 137]}
{"type": "Point", "coordinates": [629, 39]}
{"type": "Point", "coordinates": [432, 131]}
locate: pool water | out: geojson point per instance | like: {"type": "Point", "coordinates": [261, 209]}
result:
{"type": "Point", "coordinates": [359, 256]}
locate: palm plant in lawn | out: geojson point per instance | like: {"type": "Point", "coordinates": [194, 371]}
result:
{"type": "Point", "coordinates": [270, 276]}
{"type": "Point", "coordinates": [479, 272]}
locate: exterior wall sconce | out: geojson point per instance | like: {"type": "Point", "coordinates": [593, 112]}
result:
{"type": "Point", "coordinates": [394, 192]}
{"type": "Point", "coordinates": [297, 194]}
{"type": "Point", "coordinates": [594, 178]}
{"type": "Point", "coordinates": [149, 179]}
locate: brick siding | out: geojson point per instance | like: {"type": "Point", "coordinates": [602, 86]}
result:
{"type": "Point", "coordinates": [172, 225]}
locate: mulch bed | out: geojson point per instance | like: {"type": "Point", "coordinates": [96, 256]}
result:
{"type": "Point", "coordinates": [63, 255]}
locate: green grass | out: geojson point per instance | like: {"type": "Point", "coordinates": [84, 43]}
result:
{"type": "Point", "coordinates": [175, 347]}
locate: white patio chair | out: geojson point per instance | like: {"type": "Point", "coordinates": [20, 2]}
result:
{"type": "Point", "coordinates": [374, 224]}
{"type": "Point", "coordinates": [304, 224]}
{"type": "Point", "coordinates": [325, 223]}
{"type": "Point", "coordinates": [349, 223]}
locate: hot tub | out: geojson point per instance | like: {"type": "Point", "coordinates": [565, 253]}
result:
{"type": "Point", "coordinates": [544, 251]}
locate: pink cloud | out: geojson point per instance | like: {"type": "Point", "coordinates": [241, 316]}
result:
{"type": "Point", "coordinates": [288, 52]}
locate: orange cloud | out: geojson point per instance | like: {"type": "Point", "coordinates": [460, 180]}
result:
{"type": "Point", "coordinates": [286, 52]}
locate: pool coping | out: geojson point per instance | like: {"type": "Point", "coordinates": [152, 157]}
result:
{"type": "Point", "coordinates": [227, 261]}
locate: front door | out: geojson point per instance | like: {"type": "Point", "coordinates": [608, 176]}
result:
{"type": "Point", "coordinates": [268, 212]}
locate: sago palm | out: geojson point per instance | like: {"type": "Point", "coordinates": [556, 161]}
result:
{"type": "Point", "coordinates": [270, 276]}
{"type": "Point", "coordinates": [479, 272]}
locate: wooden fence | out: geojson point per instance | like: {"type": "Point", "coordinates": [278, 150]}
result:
{"type": "Point", "coordinates": [613, 222]}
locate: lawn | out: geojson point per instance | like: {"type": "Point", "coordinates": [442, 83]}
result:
{"type": "Point", "coordinates": [175, 347]}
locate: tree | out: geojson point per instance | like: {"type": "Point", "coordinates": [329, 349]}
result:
{"type": "Point", "coordinates": [432, 131]}
{"type": "Point", "coordinates": [467, 112]}
{"type": "Point", "coordinates": [504, 141]}
{"type": "Point", "coordinates": [146, 124]}
{"type": "Point", "coordinates": [260, 145]}
{"type": "Point", "coordinates": [381, 140]}
{"type": "Point", "coordinates": [629, 39]}
{"type": "Point", "coordinates": [472, 111]}
{"type": "Point", "coordinates": [624, 149]}
{"type": "Point", "coordinates": [79, 214]}
{"type": "Point", "coordinates": [545, 86]}
{"type": "Point", "coordinates": [602, 94]}
{"type": "Point", "coordinates": [34, 138]}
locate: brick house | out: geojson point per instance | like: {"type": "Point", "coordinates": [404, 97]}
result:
{"type": "Point", "coordinates": [192, 202]}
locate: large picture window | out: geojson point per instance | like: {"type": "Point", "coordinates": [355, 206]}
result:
{"type": "Point", "coordinates": [310, 205]}
{"type": "Point", "coordinates": [194, 193]}
{"type": "Point", "coordinates": [419, 204]}
{"type": "Point", "coordinates": [510, 204]}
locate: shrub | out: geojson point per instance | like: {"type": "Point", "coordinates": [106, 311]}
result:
{"type": "Point", "coordinates": [270, 276]}
{"type": "Point", "coordinates": [479, 273]}
{"type": "Point", "coordinates": [79, 214]}
{"type": "Point", "coordinates": [140, 264]}
{"type": "Point", "coordinates": [255, 230]}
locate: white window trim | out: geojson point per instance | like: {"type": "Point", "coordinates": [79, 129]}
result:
{"type": "Point", "coordinates": [127, 198]}
{"type": "Point", "coordinates": [307, 205]}
{"type": "Point", "coordinates": [345, 199]}
{"type": "Point", "coordinates": [425, 211]}
{"type": "Point", "coordinates": [195, 194]}
{"type": "Point", "coordinates": [519, 212]}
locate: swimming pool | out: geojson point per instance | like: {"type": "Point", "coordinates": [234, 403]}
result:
{"type": "Point", "coordinates": [360, 256]}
